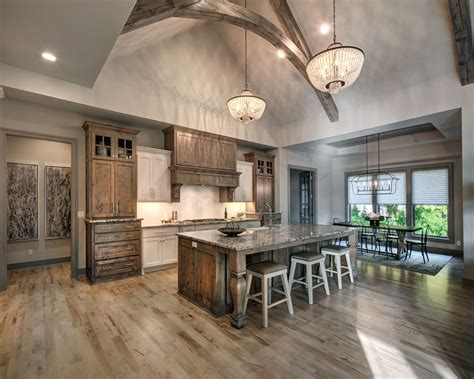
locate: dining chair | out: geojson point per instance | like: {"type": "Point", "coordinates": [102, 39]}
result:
{"type": "Point", "coordinates": [381, 238]}
{"type": "Point", "coordinates": [367, 235]}
{"type": "Point", "coordinates": [338, 241]}
{"type": "Point", "coordinates": [421, 242]}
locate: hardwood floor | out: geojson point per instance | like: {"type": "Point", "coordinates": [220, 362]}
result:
{"type": "Point", "coordinates": [390, 323]}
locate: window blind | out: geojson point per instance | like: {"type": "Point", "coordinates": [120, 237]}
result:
{"type": "Point", "coordinates": [400, 195]}
{"type": "Point", "coordinates": [354, 198]}
{"type": "Point", "coordinates": [430, 186]}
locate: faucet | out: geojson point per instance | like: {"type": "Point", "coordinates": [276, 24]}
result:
{"type": "Point", "coordinates": [267, 206]}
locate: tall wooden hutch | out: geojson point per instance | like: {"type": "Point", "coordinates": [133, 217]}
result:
{"type": "Point", "coordinates": [113, 232]}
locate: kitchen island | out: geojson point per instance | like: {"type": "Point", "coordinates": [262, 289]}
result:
{"type": "Point", "coordinates": [211, 266]}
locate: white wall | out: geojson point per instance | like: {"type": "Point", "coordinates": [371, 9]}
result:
{"type": "Point", "coordinates": [196, 202]}
{"type": "Point", "coordinates": [42, 153]}
{"type": "Point", "coordinates": [444, 152]}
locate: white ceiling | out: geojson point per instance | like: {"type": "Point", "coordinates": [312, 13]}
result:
{"type": "Point", "coordinates": [80, 33]}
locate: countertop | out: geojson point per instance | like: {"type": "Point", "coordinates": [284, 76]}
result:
{"type": "Point", "coordinates": [261, 237]}
{"type": "Point", "coordinates": [111, 220]}
{"type": "Point", "coordinates": [191, 223]}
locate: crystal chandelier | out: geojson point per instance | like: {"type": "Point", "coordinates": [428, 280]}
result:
{"type": "Point", "coordinates": [246, 107]}
{"type": "Point", "coordinates": [336, 67]}
{"type": "Point", "coordinates": [379, 182]}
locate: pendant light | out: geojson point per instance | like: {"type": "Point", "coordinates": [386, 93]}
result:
{"type": "Point", "coordinates": [379, 182]}
{"type": "Point", "coordinates": [336, 67]}
{"type": "Point", "coordinates": [246, 107]}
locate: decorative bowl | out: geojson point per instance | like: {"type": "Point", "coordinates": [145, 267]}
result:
{"type": "Point", "coordinates": [231, 229]}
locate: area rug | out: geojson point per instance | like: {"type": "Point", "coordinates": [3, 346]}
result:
{"type": "Point", "coordinates": [415, 263]}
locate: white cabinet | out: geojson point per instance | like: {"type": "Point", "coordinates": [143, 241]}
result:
{"type": "Point", "coordinates": [160, 247]}
{"type": "Point", "coordinates": [244, 192]}
{"type": "Point", "coordinates": [154, 183]}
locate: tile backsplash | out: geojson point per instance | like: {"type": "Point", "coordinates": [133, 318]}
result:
{"type": "Point", "coordinates": [196, 202]}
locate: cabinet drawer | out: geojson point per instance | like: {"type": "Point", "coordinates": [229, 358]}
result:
{"type": "Point", "coordinates": [117, 266]}
{"type": "Point", "coordinates": [159, 232]}
{"type": "Point", "coordinates": [117, 227]}
{"type": "Point", "coordinates": [117, 249]}
{"type": "Point", "coordinates": [119, 236]}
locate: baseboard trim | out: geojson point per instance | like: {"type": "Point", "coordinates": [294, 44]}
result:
{"type": "Point", "coordinates": [33, 264]}
{"type": "Point", "coordinates": [468, 282]}
{"type": "Point", "coordinates": [81, 272]}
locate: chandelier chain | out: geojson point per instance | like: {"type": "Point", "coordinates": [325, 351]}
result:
{"type": "Point", "coordinates": [245, 43]}
{"type": "Point", "coordinates": [333, 18]}
{"type": "Point", "coordinates": [378, 152]}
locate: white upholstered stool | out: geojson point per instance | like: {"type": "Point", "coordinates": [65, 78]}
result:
{"type": "Point", "coordinates": [265, 271]}
{"type": "Point", "coordinates": [335, 253]}
{"type": "Point", "coordinates": [309, 259]}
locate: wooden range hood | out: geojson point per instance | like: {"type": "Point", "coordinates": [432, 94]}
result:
{"type": "Point", "coordinates": [201, 159]}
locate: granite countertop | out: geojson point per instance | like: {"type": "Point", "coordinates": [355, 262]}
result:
{"type": "Point", "coordinates": [191, 223]}
{"type": "Point", "coordinates": [111, 220]}
{"type": "Point", "coordinates": [260, 237]}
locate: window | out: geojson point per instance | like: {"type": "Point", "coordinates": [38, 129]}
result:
{"type": "Point", "coordinates": [430, 192]}
{"type": "Point", "coordinates": [394, 206]}
{"type": "Point", "coordinates": [359, 205]}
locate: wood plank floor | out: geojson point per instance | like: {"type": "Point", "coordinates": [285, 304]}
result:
{"type": "Point", "coordinates": [390, 323]}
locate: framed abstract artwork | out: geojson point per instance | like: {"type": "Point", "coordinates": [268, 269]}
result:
{"type": "Point", "coordinates": [22, 194]}
{"type": "Point", "coordinates": [57, 202]}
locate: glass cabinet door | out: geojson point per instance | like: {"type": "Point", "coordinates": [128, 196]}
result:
{"type": "Point", "coordinates": [269, 168]}
{"type": "Point", "coordinates": [125, 147]}
{"type": "Point", "coordinates": [102, 145]}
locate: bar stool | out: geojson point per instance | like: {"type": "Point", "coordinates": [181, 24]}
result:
{"type": "Point", "coordinates": [309, 259]}
{"type": "Point", "coordinates": [267, 270]}
{"type": "Point", "coordinates": [335, 253]}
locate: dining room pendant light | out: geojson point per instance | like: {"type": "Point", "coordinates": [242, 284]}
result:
{"type": "Point", "coordinates": [374, 182]}
{"type": "Point", "coordinates": [246, 107]}
{"type": "Point", "coordinates": [337, 67]}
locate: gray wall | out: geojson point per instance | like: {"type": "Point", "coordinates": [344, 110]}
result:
{"type": "Point", "coordinates": [24, 117]}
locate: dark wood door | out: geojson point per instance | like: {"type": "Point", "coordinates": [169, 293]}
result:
{"type": "Point", "coordinates": [102, 191]}
{"type": "Point", "coordinates": [125, 189]}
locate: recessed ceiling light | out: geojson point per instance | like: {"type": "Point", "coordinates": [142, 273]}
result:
{"type": "Point", "coordinates": [281, 54]}
{"type": "Point", "coordinates": [48, 56]}
{"type": "Point", "coordinates": [324, 29]}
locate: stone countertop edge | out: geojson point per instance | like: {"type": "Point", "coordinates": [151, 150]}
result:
{"type": "Point", "coordinates": [262, 238]}
{"type": "Point", "coordinates": [176, 224]}
{"type": "Point", "coordinates": [111, 220]}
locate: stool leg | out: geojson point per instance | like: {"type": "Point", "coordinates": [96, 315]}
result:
{"type": "Point", "coordinates": [247, 291]}
{"type": "Point", "coordinates": [309, 283]}
{"type": "Point", "coordinates": [331, 264]}
{"type": "Point", "coordinates": [292, 273]}
{"type": "Point", "coordinates": [349, 267]}
{"type": "Point", "coordinates": [322, 273]}
{"type": "Point", "coordinates": [265, 302]}
{"type": "Point", "coordinates": [338, 268]}
{"type": "Point", "coordinates": [286, 286]}
{"type": "Point", "coordinates": [270, 291]}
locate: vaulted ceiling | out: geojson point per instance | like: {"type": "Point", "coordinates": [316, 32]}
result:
{"type": "Point", "coordinates": [406, 43]}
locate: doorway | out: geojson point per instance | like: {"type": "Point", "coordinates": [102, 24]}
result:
{"type": "Point", "coordinates": [51, 163]}
{"type": "Point", "coordinates": [302, 188]}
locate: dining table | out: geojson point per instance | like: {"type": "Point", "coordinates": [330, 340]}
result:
{"type": "Point", "coordinates": [401, 231]}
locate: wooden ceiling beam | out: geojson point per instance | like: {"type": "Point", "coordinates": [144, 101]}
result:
{"type": "Point", "coordinates": [461, 18]}
{"type": "Point", "coordinates": [288, 21]}
{"type": "Point", "coordinates": [146, 12]}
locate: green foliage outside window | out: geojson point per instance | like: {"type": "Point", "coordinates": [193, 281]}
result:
{"type": "Point", "coordinates": [433, 216]}
{"type": "Point", "coordinates": [397, 213]}
{"type": "Point", "coordinates": [359, 212]}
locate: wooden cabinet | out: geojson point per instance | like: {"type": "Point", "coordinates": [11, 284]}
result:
{"type": "Point", "coordinates": [264, 180]}
{"type": "Point", "coordinates": [200, 158]}
{"type": "Point", "coordinates": [113, 250]}
{"type": "Point", "coordinates": [160, 247]}
{"type": "Point", "coordinates": [111, 173]}
{"type": "Point", "coordinates": [153, 174]}
{"type": "Point", "coordinates": [113, 234]}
